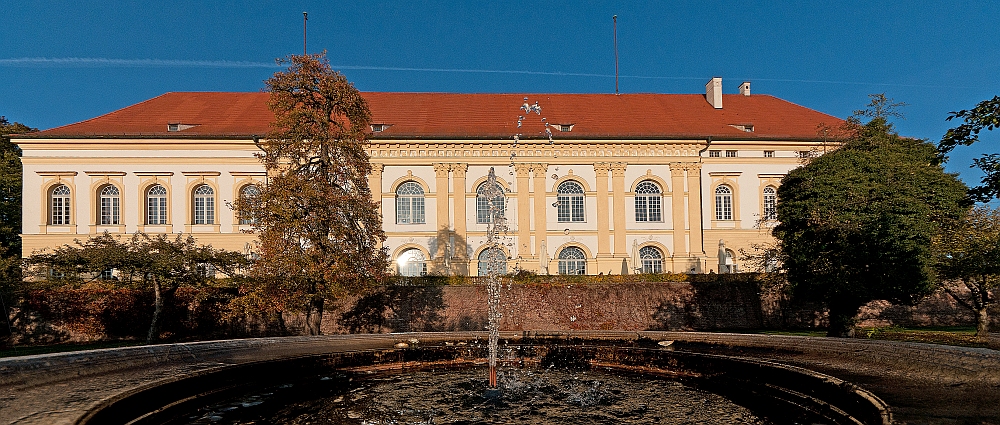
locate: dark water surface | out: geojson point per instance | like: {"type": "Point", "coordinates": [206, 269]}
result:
{"type": "Point", "coordinates": [461, 396]}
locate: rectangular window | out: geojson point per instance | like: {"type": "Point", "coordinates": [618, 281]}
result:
{"type": "Point", "coordinates": [204, 210]}
{"type": "Point", "coordinates": [109, 210]}
{"type": "Point", "coordinates": [157, 211]}
{"type": "Point", "coordinates": [768, 154]}
{"type": "Point", "coordinates": [60, 209]}
{"type": "Point", "coordinates": [641, 209]}
{"type": "Point", "coordinates": [713, 154]}
{"type": "Point", "coordinates": [654, 209]}
{"type": "Point", "coordinates": [731, 154]}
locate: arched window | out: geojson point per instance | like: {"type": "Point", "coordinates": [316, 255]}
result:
{"type": "Point", "coordinates": [60, 205]}
{"type": "Point", "coordinates": [410, 203]}
{"type": "Point", "coordinates": [490, 258]}
{"type": "Point", "coordinates": [204, 205]}
{"type": "Point", "coordinates": [412, 263]}
{"type": "Point", "coordinates": [648, 202]}
{"type": "Point", "coordinates": [483, 205]}
{"type": "Point", "coordinates": [156, 205]}
{"type": "Point", "coordinates": [652, 259]}
{"type": "Point", "coordinates": [770, 203]}
{"type": "Point", "coordinates": [723, 203]}
{"type": "Point", "coordinates": [572, 260]}
{"type": "Point", "coordinates": [570, 202]}
{"type": "Point", "coordinates": [110, 205]}
{"type": "Point", "coordinates": [248, 193]}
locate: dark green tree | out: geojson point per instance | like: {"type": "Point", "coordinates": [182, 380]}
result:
{"type": "Point", "coordinates": [856, 224]}
{"type": "Point", "coordinates": [10, 219]}
{"type": "Point", "coordinates": [985, 116]}
{"type": "Point", "coordinates": [158, 263]}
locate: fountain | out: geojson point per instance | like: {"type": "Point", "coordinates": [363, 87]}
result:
{"type": "Point", "coordinates": [495, 262]}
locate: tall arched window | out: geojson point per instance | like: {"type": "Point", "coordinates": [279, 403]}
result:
{"type": "Point", "coordinates": [60, 205]}
{"type": "Point", "coordinates": [110, 205]}
{"type": "Point", "coordinates": [652, 259]}
{"type": "Point", "coordinates": [723, 203]}
{"type": "Point", "coordinates": [572, 260]}
{"type": "Point", "coordinates": [770, 203]}
{"type": "Point", "coordinates": [570, 202]}
{"type": "Point", "coordinates": [410, 203]}
{"type": "Point", "coordinates": [648, 202]}
{"type": "Point", "coordinates": [412, 263]}
{"type": "Point", "coordinates": [156, 205]}
{"type": "Point", "coordinates": [483, 204]}
{"type": "Point", "coordinates": [204, 205]}
{"type": "Point", "coordinates": [248, 193]}
{"type": "Point", "coordinates": [490, 257]}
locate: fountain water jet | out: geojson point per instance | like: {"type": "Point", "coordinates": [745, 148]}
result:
{"type": "Point", "coordinates": [495, 262]}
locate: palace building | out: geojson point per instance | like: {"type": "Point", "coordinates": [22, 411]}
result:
{"type": "Point", "coordinates": [595, 183]}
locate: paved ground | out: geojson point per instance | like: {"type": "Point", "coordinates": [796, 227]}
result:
{"type": "Point", "coordinates": [924, 384]}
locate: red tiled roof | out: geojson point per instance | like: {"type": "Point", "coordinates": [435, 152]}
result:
{"type": "Point", "coordinates": [476, 116]}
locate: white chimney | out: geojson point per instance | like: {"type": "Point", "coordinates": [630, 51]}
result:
{"type": "Point", "coordinates": [745, 88]}
{"type": "Point", "coordinates": [713, 92]}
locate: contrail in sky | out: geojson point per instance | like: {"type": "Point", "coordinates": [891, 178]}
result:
{"type": "Point", "coordinates": [109, 62]}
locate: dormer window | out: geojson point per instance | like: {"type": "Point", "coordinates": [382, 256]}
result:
{"type": "Point", "coordinates": [743, 127]}
{"type": "Point", "coordinates": [377, 128]}
{"type": "Point", "coordinates": [565, 127]}
{"type": "Point", "coordinates": [176, 126]}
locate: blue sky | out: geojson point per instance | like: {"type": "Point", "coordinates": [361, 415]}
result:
{"type": "Point", "coordinates": [67, 61]}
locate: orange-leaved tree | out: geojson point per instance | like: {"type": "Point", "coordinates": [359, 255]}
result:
{"type": "Point", "coordinates": [319, 230]}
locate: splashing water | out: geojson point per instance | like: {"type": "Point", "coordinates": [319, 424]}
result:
{"type": "Point", "coordinates": [495, 264]}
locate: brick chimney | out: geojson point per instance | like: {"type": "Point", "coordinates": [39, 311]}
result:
{"type": "Point", "coordinates": [713, 92]}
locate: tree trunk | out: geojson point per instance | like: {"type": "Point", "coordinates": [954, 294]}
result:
{"type": "Point", "coordinates": [842, 320]}
{"type": "Point", "coordinates": [154, 326]}
{"type": "Point", "coordinates": [982, 321]}
{"type": "Point", "coordinates": [314, 315]}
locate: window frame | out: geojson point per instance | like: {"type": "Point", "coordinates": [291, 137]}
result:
{"type": "Point", "coordinates": [769, 205]}
{"type": "Point", "coordinates": [483, 212]}
{"type": "Point", "coordinates": [572, 261]}
{"type": "Point", "coordinates": [411, 208]}
{"type": "Point", "coordinates": [571, 202]}
{"type": "Point", "coordinates": [109, 205]}
{"type": "Point", "coordinates": [651, 206]}
{"type": "Point", "coordinates": [246, 218]}
{"type": "Point", "coordinates": [158, 208]}
{"type": "Point", "coordinates": [204, 211]}
{"type": "Point", "coordinates": [649, 263]}
{"type": "Point", "coordinates": [61, 214]}
{"type": "Point", "coordinates": [724, 203]}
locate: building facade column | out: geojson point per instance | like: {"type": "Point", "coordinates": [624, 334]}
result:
{"type": "Point", "coordinates": [442, 226]}
{"type": "Point", "coordinates": [694, 208]}
{"type": "Point", "coordinates": [677, 208]}
{"type": "Point", "coordinates": [541, 190]}
{"type": "Point", "coordinates": [603, 205]}
{"type": "Point", "coordinates": [461, 255]}
{"type": "Point", "coordinates": [375, 185]}
{"type": "Point", "coordinates": [523, 210]}
{"type": "Point", "coordinates": [618, 187]}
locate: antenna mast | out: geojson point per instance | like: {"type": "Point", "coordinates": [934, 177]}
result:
{"type": "Point", "coordinates": [305, 18]}
{"type": "Point", "coordinates": [615, 19]}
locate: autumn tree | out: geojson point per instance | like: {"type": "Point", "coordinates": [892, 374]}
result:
{"type": "Point", "coordinates": [856, 224]}
{"type": "Point", "coordinates": [985, 116]}
{"type": "Point", "coordinates": [10, 217]}
{"type": "Point", "coordinates": [969, 255]}
{"type": "Point", "coordinates": [159, 263]}
{"type": "Point", "coordinates": [319, 230]}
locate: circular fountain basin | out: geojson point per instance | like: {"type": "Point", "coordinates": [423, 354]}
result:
{"type": "Point", "coordinates": [159, 384]}
{"type": "Point", "coordinates": [711, 388]}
